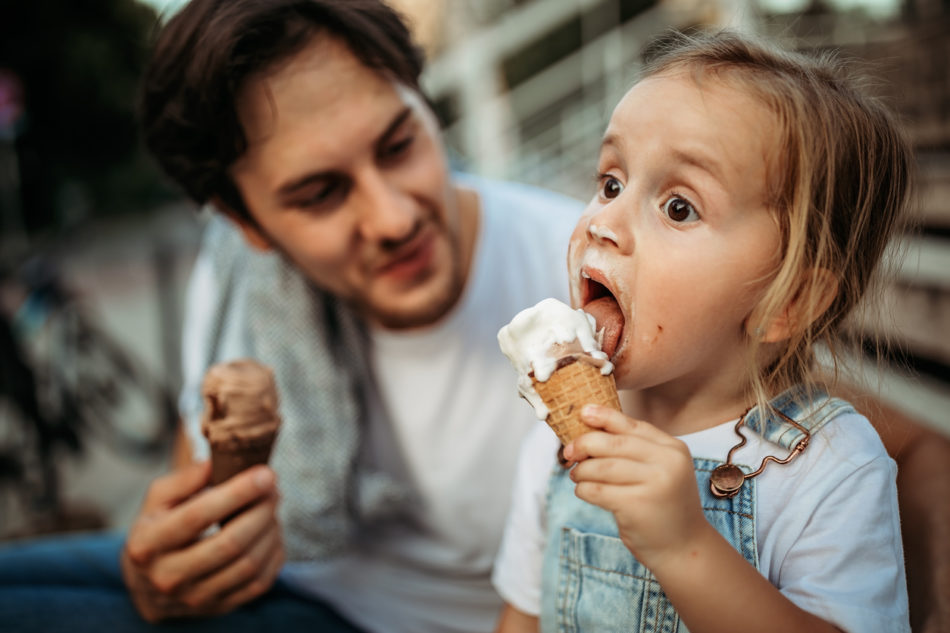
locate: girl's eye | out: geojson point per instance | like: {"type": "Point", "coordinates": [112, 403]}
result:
{"type": "Point", "coordinates": [610, 187]}
{"type": "Point", "coordinates": [680, 210]}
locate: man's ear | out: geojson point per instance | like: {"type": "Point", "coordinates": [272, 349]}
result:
{"type": "Point", "coordinates": [253, 235]}
{"type": "Point", "coordinates": [804, 308]}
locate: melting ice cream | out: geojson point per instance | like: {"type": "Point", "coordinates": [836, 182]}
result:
{"type": "Point", "coordinates": [541, 339]}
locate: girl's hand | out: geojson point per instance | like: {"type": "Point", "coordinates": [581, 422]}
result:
{"type": "Point", "coordinates": [645, 478]}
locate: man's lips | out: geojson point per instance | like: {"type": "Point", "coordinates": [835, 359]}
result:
{"type": "Point", "coordinates": [410, 259]}
{"type": "Point", "coordinates": [599, 301]}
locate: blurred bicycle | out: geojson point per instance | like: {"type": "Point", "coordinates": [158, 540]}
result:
{"type": "Point", "coordinates": [63, 382]}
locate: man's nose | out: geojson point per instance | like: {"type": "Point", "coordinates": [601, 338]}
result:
{"type": "Point", "coordinates": [388, 213]}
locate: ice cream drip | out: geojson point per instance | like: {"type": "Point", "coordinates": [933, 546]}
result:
{"type": "Point", "coordinates": [540, 339]}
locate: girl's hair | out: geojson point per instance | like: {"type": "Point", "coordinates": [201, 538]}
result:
{"type": "Point", "coordinates": [839, 189]}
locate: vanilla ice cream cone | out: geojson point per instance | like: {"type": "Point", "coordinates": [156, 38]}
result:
{"type": "Point", "coordinates": [561, 367]}
{"type": "Point", "coordinates": [568, 389]}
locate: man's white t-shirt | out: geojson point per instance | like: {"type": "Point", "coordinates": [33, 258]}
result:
{"type": "Point", "coordinates": [448, 421]}
{"type": "Point", "coordinates": [827, 524]}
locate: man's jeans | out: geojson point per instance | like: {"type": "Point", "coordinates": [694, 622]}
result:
{"type": "Point", "coordinates": [74, 584]}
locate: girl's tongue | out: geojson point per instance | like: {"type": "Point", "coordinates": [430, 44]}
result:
{"type": "Point", "coordinates": [609, 317]}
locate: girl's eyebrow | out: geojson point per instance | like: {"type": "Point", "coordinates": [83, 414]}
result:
{"type": "Point", "coordinates": [707, 164]}
{"type": "Point", "coordinates": [612, 139]}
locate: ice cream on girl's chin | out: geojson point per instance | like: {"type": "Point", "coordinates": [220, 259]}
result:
{"type": "Point", "coordinates": [541, 337]}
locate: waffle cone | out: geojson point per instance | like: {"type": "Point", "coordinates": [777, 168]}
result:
{"type": "Point", "coordinates": [567, 390]}
{"type": "Point", "coordinates": [227, 461]}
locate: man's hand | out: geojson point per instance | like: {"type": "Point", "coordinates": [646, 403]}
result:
{"type": "Point", "coordinates": [172, 571]}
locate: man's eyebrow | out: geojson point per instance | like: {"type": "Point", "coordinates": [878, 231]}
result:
{"type": "Point", "coordinates": [290, 187]}
{"type": "Point", "coordinates": [397, 121]}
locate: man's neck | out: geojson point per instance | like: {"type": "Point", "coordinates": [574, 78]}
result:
{"type": "Point", "coordinates": [469, 206]}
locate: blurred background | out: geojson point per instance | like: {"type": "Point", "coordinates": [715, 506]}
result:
{"type": "Point", "coordinates": [95, 246]}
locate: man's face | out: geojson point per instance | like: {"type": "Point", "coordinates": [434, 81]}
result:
{"type": "Point", "coordinates": [345, 175]}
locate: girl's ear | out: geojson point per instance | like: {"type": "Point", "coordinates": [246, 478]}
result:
{"type": "Point", "coordinates": [253, 235]}
{"type": "Point", "coordinates": [814, 296]}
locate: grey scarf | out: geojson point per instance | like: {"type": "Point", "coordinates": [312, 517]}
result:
{"type": "Point", "coordinates": [318, 351]}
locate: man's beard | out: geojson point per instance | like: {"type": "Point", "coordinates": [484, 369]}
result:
{"type": "Point", "coordinates": [433, 310]}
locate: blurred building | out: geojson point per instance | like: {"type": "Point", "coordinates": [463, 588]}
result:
{"type": "Point", "coordinates": [525, 89]}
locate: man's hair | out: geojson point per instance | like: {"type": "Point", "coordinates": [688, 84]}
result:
{"type": "Point", "coordinates": [206, 53]}
{"type": "Point", "coordinates": [839, 187]}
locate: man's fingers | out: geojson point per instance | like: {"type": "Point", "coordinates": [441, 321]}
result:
{"type": "Point", "coordinates": [184, 523]}
{"type": "Point", "coordinates": [173, 488]}
{"type": "Point", "coordinates": [261, 584]}
{"type": "Point", "coordinates": [183, 567]}
{"type": "Point", "coordinates": [245, 578]}
{"type": "Point", "coordinates": [143, 542]}
{"type": "Point", "coordinates": [216, 504]}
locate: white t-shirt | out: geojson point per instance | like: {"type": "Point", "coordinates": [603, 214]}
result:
{"type": "Point", "coordinates": [827, 526]}
{"type": "Point", "coordinates": [453, 429]}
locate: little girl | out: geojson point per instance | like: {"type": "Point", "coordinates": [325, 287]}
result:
{"type": "Point", "coordinates": [745, 199]}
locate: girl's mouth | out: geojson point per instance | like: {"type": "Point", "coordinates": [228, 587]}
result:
{"type": "Point", "coordinates": [598, 300]}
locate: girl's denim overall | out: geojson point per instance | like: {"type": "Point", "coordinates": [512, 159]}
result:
{"type": "Point", "coordinates": [592, 583]}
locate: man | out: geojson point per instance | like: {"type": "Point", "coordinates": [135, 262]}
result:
{"type": "Point", "coordinates": [373, 280]}
{"type": "Point", "coordinates": [303, 123]}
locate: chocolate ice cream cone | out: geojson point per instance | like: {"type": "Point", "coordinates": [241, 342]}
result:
{"type": "Point", "coordinates": [569, 388]}
{"type": "Point", "coordinates": [228, 460]}
{"type": "Point", "coordinates": [240, 418]}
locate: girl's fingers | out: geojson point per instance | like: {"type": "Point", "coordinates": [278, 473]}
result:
{"type": "Point", "coordinates": [622, 436]}
{"type": "Point", "coordinates": [618, 423]}
{"type": "Point", "coordinates": [607, 419]}
{"type": "Point", "coordinates": [609, 470]}
{"type": "Point", "coordinates": [607, 496]}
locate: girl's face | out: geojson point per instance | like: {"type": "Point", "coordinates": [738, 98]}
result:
{"type": "Point", "coordinates": [679, 243]}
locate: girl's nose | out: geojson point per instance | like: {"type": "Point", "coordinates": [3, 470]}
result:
{"type": "Point", "coordinates": [610, 226]}
{"type": "Point", "coordinates": [388, 212]}
{"type": "Point", "coordinates": [601, 232]}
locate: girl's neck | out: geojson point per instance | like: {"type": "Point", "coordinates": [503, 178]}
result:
{"type": "Point", "coordinates": [681, 410]}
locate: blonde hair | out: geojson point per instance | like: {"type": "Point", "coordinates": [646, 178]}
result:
{"type": "Point", "coordinates": [840, 189]}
